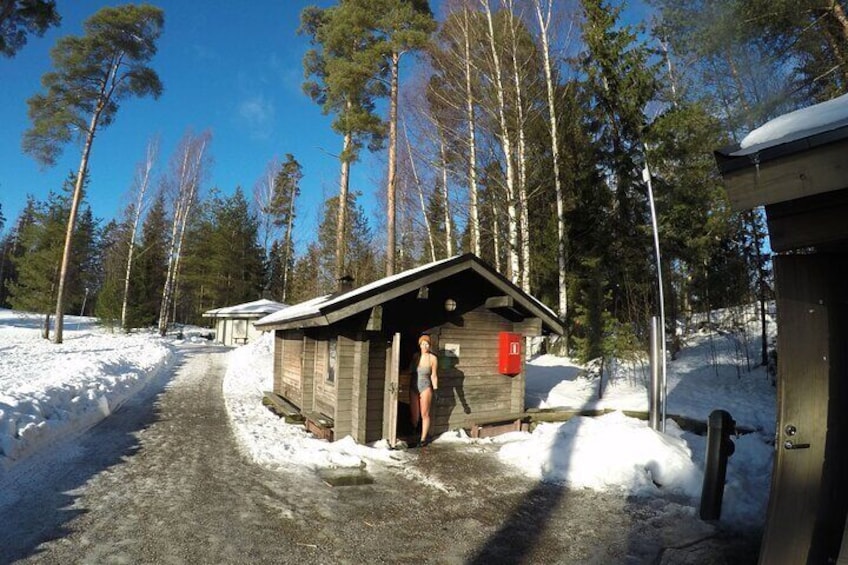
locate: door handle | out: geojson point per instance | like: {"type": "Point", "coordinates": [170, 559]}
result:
{"type": "Point", "coordinates": [789, 445]}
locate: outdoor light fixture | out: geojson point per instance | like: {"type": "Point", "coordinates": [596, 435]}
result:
{"type": "Point", "coordinates": [423, 293]}
{"type": "Point", "coordinates": [450, 304]}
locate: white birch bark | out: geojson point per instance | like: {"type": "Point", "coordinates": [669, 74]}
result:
{"type": "Point", "coordinates": [446, 198]}
{"type": "Point", "coordinates": [473, 207]}
{"type": "Point", "coordinates": [188, 176]}
{"type": "Point", "coordinates": [143, 174]}
{"type": "Point", "coordinates": [430, 239]}
{"type": "Point", "coordinates": [521, 157]}
{"type": "Point", "coordinates": [506, 144]}
{"type": "Point", "coordinates": [544, 28]}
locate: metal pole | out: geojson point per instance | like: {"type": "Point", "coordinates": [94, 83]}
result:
{"type": "Point", "coordinates": [655, 375]}
{"type": "Point", "coordinates": [646, 176]}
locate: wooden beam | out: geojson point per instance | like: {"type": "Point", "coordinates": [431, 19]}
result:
{"type": "Point", "coordinates": [499, 302]}
{"type": "Point", "coordinates": [824, 169]}
{"type": "Point", "coordinates": [810, 221]}
{"type": "Point", "coordinates": [375, 319]}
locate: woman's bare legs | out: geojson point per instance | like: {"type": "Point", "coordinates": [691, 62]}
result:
{"type": "Point", "coordinates": [426, 398]}
{"type": "Point", "coordinates": [414, 408]}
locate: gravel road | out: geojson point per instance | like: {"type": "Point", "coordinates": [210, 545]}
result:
{"type": "Point", "coordinates": [162, 481]}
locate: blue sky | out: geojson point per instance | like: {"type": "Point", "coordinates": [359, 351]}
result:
{"type": "Point", "coordinates": [232, 67]}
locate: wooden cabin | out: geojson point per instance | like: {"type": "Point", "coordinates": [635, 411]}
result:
{"type": "Point", "coordinates": [799, 172]}
{"type": "Point", "coordinates": [344, 360]}
{"type": "Point", "coordinates": [233, 325]}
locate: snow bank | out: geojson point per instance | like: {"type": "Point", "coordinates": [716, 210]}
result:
{"type": "Point", "coordinates": [51, 391]}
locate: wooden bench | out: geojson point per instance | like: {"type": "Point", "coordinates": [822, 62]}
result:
{"type": "Point", "coordinates": [497, 424]}
{"type": "Point", "coordinates": [319, 425]}
{"type": "Point", "coordinates": [240, 340]}
{"type": "Point", "coordinates": [282, 407]}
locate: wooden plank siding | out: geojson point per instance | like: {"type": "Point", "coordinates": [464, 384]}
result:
{"type": "Point", "coordinates": [376, 377]}
{"type": "Point", "coordinates": [325, 391]}
{"type": "Point", "coordinates": [290, 384]}
{"type": "Point", "coordinates": [310, 346]}
{"type": "Point", "coordinates": [471, 387]}
{"type": "Point", "coordinates": [345, 352]}
{"type": "Point", "coordinates": [359, 390]}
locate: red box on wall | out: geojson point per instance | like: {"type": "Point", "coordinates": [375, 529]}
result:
{"type": "Point", "coordinates": [509, 353]}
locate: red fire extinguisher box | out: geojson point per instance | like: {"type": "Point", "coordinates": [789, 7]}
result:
{"type": "Point", "coordinates": [509, 353]}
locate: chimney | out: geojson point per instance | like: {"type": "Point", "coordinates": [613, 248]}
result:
{"type": "Point", "coordinates": [345, 284]}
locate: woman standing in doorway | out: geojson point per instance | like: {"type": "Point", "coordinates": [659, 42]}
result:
{"type": "Point", "coordinates": [424, 381]}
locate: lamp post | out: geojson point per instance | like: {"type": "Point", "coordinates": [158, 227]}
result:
{"type": "Point", "coordinates": [646, 176]}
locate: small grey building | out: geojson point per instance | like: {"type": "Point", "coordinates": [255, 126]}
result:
{"type": "Point", "coordinates": [343, 360]}
{"type": "Point", "coordinates": [234, 324]}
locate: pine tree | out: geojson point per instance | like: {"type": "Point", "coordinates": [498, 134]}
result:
{"type": "Point", "coordinates": [223, 259]}
{"type": "Point", "coordinates": [343, 72]}
{"type": "Point", "coordinates": [93, 74]}
{"type": "Point", "coordinates": [619, 84]}
{"type": "Point", "coordinates": [20, 17]}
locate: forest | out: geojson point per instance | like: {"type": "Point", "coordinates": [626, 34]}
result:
{"type": "Point", "coordinates": [544, 136]}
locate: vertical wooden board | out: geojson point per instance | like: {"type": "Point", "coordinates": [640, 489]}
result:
{"type": "Point", "coordinates": [308, 374]}
{"type": "Point", "coordinates": [376, 385]}
{"type": "Point", "coordinates": [360, 389]}
{"type": "Point", "coordinates": [390, 395]}
{"type": "Point", "coordinates": [803, 373]}
{"type": "Point", "coordinates": [278, 362]}
{"type": "Point", "coordinates": [344, 387]}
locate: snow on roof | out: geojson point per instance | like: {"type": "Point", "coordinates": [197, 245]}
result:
{"type": "Point", "coordinates": [313, 307]}
{"type": "Point", "coordinates": [255, 308]}
{"type": "Point", "coordinates": [799, 124]}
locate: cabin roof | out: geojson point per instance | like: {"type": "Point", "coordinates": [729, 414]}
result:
{"type": "Point", "coordinates": [255, 309]}
{"type": "Point", "coordinates": [796, 155]}
{"type": "Point", "coordinates": [331, 308]}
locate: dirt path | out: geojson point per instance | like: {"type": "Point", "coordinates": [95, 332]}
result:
{"type": "Point", "coordinates": [162, 481]}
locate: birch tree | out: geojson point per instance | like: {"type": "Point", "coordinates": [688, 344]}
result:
{"type": "Point", "coordinates": [506, 142]}
{"type": "Point", "coordinates": [544, 10]}
{"type": "Point", "coordinates": [93, 73]}
{"type": "Point", "coordinates": [141, 188]}
{"type": "Point", "coordinates": [188, 167]}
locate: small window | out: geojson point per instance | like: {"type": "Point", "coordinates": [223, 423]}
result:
{"type": "Point", "coordinates": [331, 360]}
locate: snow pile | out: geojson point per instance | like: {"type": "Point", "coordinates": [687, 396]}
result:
{"type": "Point", "coordinates": [50, 391]}
{"type": "Point", "coordinates": [266, 438]}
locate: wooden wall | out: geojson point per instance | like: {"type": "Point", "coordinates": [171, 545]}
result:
{"type": "Point", "coordinates": [375, 389]}
{"type": "Point", "coordinates": [324, 400]}
{"type": "Point", "coordinates": [288, 349]}
{"type": "Point", "coordinates": [471, 387]}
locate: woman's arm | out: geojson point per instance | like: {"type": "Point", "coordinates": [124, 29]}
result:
{"type": "Point", "coordinates": [434, 375]}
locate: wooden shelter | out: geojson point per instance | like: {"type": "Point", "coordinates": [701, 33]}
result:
{"type": "Point", "coordinates": [344, 360]}
{"type": "Point", "coordinates": [797, 168]}
{"type": "Point", "coordinates": [234, 324]}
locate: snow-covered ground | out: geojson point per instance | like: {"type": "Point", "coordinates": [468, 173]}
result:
{"type": "Point", "coordinates": [52, 392]}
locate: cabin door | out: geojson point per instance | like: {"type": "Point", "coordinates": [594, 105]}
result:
{"type": "Point", "coordinates": [390, 392]}
{"type": "Point", "coordinates": [802, 501]}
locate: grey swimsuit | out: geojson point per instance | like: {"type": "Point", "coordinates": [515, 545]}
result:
{"type": "Point", "coordinates": [423, 381]}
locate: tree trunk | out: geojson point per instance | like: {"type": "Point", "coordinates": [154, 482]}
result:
{"type": "Point", "coordinates": [144, 182]}
{"type": "Point", "coordinates": [427, 225]}
{"type": "Point", "coordinates": [839, 14]}
{"type": "Point", "coordinates": [521, 158]}
{"type": "Point", "coordinates": [473, 208]}
{"type": "Point", "coordinates": [391, 246]}
{"type": "Point", "coordinates": [72, 219]}
{"type": "Point", "coordinates": [287, 253]}
{"type": "Point", "coordinates": [513, 268]}
{"type": "Point", "coordinates": [544, 25]}
{"type": "Point", "coordinates": [341, 221]}
{"type": "Point", "coordinates": [445, 198]}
